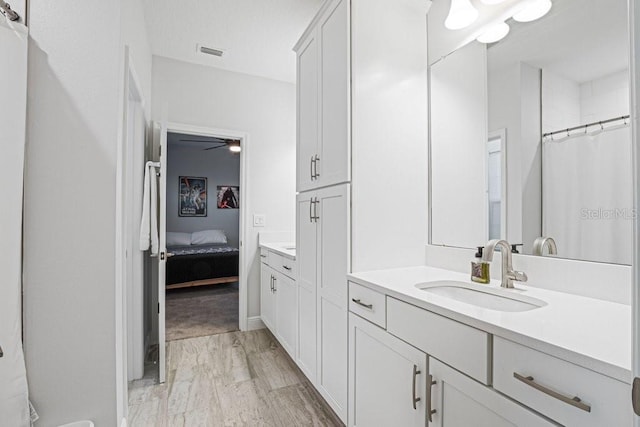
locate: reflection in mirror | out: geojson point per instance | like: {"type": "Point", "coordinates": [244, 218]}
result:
{"type": "Point", "coordinates": [530, 136]}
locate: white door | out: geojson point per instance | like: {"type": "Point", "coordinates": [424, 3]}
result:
{"type": "Point", "coordinates": [457, 400]}
{"type": "Point", "coordinates": [332, 216]}
{"type": "Point", "coordinates": [332, 163]}
{"type": "Point", "coordinates": [14, 408]}
{"type": "Point", "coordinates": [387, 378]}
{"type": "Point", "coordinates": [266, 296]}
{"type": "Point", "coordinates": [162, 248]}
{"type": "Point", "coordinates": [307, 87]}
{"type": "Point", "coordinates": [306, 259]}
{"type": "Point", "coordinates": [287, 313]}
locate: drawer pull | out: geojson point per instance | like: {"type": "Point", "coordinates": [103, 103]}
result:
{"type": "Point", "coordinates": [573, 401]}
{"type": "Point", "coordinates": [415, 399]}
{"type": "Point", "coordinates": [360, 303]}
{"type": "Point", "coordinates": [288, 268]}
{"type": "Point", "coordinates": [262, 256]}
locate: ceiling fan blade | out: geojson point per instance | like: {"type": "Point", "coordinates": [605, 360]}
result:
{"type": "Point", "coordinates": [213, 148]}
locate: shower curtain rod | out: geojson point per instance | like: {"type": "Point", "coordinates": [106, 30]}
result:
{"type": "Point", "coordinates": [9, 13]}
{"type": "Point", "coordinates": [588, 125]}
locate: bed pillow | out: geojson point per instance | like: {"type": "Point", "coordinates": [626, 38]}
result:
{"type": "Point", "coordinates": [178, 239]}
{"type": "Point", "coordinates": [208, 237]}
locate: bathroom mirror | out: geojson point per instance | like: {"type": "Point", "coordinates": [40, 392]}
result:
{"type": "Point", "coordinates": [530, 136]}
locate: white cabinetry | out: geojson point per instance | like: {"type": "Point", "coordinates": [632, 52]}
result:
{"type": "Point", "coordinates": [389, 376]}
{"type": "Point", "coordinates": [279, 299]}
{"type": "Point", "coordinates": [323, 100]}
{"type": "Point", "coordinates": [323, 255]}
{"type": "Point", "coordinates": [456, 400]}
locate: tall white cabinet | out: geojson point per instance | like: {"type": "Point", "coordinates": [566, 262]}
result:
{"type": "Point", "coordinates": [361, 125]}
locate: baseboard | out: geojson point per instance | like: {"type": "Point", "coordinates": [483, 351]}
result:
{"type": "Point", "coordinates": [254, 323]}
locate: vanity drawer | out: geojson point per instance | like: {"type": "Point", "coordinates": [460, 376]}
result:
{"type": "Point", "coordinates": [367, 303]}
{"type": "Point", "coordinates": [285, 265]}
{"type": "Point", "coordinates": [464, 348]}
{"type": "Point", "coordinates": [548, 384]}
{"type": "Point", "coordinates": [264, 255]}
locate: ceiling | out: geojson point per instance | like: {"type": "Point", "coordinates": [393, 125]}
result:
{"type": "Point", "coordinates": [256, 35]}
{"type": "Point", "coordinates": [179, 141]}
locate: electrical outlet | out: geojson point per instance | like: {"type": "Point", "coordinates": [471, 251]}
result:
{"type": "Point", "coordinates": [259, 220]}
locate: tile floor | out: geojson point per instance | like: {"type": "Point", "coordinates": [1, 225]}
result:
{"type": "Point", "coordinates": [231, 379]}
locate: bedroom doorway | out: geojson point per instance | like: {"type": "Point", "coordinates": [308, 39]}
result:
{"type": "Point", "coordinates": [202, 235]}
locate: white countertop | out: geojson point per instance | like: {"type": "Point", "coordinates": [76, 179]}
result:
{"type": "Point", "coordinates": [286, 249]}
{"type": "Point", "coordinates": [592, 333]}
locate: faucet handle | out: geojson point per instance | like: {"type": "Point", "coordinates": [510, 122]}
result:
{"type": "Point", "coordinates": [518, 276]}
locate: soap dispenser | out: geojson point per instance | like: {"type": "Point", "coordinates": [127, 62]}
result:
{"type": "Point", "coordinates": [480, 268]}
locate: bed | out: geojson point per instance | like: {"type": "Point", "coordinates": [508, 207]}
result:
{"type": "Point", "coordinates": [201, 264]}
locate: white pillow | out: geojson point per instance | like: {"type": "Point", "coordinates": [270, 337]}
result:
{"type": "Point", "coordinates": [208, 237]}
{"type": "Point", "coordinates": [178, 239]}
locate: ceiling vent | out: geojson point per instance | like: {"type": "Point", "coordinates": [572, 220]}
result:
{"type": "Point", "coordinates": [210, 51]}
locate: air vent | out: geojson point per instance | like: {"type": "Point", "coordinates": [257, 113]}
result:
{"type": "Point", "coordinates": [210, 51]}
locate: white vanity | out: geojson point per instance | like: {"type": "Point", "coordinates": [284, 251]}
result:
{"type": "Point", "coordinates": [417, 355]}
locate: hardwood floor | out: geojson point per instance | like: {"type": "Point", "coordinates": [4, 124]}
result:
{"type": "Point", "coordinates": [231, 379]}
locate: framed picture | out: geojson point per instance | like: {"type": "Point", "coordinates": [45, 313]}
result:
{"type": "Point", "coordinates": [193, 196]}
{"type": "Point", "coordinates": [228, 197]}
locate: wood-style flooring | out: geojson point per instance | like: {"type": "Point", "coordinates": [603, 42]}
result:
{"type": "Point", "coordinates": [231, 379]}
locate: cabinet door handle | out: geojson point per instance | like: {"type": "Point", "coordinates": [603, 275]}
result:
{"type": "Point", "coordinates": [271, 283]}
{"type": "Point", "coordinates": [311, 210]}
{"type": "Point", "coordinates": [316, 159]}
{"type": "Point", "coordinates": [286, 268]}
{"type": "Point", "coordinates": [315, 210]}
{"type": "Point", "coordinates": [263, 256]}
{"type": "Point", "coordinates": [430, 383]}
{"type": "Point", "coordinates": [360, 303]}
{"type": "Point", "coordinates": [275, 288]}
{"type": "Point", "coordinates": [573, 401]}
{"type": "Point", "coordinates": [311, 163]}
{"type": "Point", "coordinates": [415, 399]}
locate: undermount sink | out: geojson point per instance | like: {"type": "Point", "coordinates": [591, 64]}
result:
{"type": "Point", "coordinates": [491, 298]}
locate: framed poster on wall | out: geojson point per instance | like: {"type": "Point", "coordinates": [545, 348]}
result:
{"type": "Point", "coordinates": [193, 196]}
{"type": "Point", "coordinates": [228, 197]}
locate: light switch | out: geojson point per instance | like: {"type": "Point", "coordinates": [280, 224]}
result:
{"type": "Point", "coordinates": [259, 220]}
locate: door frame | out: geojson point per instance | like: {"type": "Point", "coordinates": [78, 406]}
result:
{"type": "Point", "coordinates": [243, 299]}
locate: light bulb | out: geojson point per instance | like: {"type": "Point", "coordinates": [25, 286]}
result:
{"type": "Point", "coordinates": [533, 10]}
{"type": "Point", "coordinates": [461, 15]}
{"type": "Point", "coordinates": [494, 33]}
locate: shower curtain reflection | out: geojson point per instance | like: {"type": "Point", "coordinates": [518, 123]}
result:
{"type": "Point", "coordinates": [587, 195]}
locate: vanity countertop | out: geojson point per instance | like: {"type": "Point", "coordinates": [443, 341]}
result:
{"type": "Point", "coordinates": [285, 249]}
{"type": "Point", "coordinates": [592, 333]}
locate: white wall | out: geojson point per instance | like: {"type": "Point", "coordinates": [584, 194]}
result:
{"type": "Point", "coordinates": [263, 108]}
{"type": "Point", "coordinates": [560, 102]}
{"type": "Point", "coordinates": [221, 167]}
{"type": "Point", "coordinates": [605, 98]}
{"type": "Point", "coordinates": [73, 124]}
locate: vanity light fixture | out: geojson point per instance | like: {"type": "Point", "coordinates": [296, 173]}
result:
{"type": "Point", "coordinates": [532, 10]}
{"type": "Point", "coordinates": [494, 33]}
{"type": "Point", "coordinates": [461, 15]}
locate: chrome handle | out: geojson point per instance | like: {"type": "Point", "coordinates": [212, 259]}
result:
{"type": "Point", "coordinates": [271, 283]}
{"type": "Point", "coordinates": [315, 210]}
{"type": "Point", "coordinates": [415, 399]}
{"type": "Point", "coordinates": [275, 280]}
{"type": "Point", "coordinates": [286, 268]}
{"type": "Point", "coordinates": [316, 159]}
{"type": "Point", "coordinates": [360, 303]}
{"type": "Point", "coordinates": [1, 352]}
{"type": "Point", "coordinates": [635, 394]}
{"type": "Point", "coordinates": [430, 383]}
{"type": "Point", "coordinates": [262, 256]}
{"type": "Point", "coordinates": [311, 210]}
{"type": "Point", "coordinates": [573, 401]}
{"type": "Point", "coordinates": [311, 163]}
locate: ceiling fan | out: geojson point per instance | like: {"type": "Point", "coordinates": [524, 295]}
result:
{"type": "Point", "coordinates": [233, 144]}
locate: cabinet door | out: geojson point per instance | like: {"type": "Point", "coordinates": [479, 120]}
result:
{"type": "Point", "coordinates": [387, 376]}
{"type": "Point", "coordinates": [333, 162]}
{"type": "Point", "coordinates": [267, 300]}
{"type": "Point", "coordinates": [332, 214]}
{"type": "Point", "coordinates": [306, 259]}
{"type": "Point", "coordinates": [460, 401]}
{"type": "Point", "coordinates": [287, 313]}
{"type": "Point", "coordinates": [307, 109]}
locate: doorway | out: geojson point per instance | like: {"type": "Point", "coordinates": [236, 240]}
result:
{"type": "Point", "coordinates": [202, 235]}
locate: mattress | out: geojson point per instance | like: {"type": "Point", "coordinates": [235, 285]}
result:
{"type": "Point", "coordinates": [201, 262]}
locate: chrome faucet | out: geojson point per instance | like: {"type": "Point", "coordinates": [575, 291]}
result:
{"type": "Point", "coordinates": [508, 273]}
{"type": "Point", "coordinates": [541, 242]}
